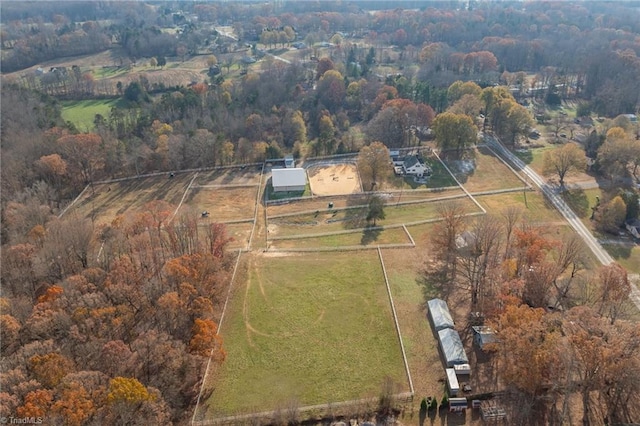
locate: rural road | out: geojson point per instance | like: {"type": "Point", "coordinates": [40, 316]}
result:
{"type": "Point", "coordinates": [575, 222]}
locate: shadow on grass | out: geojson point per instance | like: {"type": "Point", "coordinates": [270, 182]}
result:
{"type": "Point", "coordinates": [369, 235]}
{"type": "Point", "coordinates": [433, 281]}
{"type": "Point", "coordinates": [354, 216]}
{"type": "Point", "coordinates": [578, 201]}
{"type": "Point", "coordinates": [525, 156]}
{"type": "Point", "coordinates": [462, 164]}
{"type": "Point", "coordinates": [619, 251]}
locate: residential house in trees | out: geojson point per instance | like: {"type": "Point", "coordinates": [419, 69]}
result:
{"type": "Point", "coordinates": [413, 166]}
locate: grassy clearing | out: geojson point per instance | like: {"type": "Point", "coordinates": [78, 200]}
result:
{"type": "Point", "coordinates": [537, 208]}
{"type": "Point", "coordinates": [312, 329]}
{"type": "Point", "coordinates": [627, 254]}
{"type": "Point", "coordinates": [489, 173]}
{"type": "Point", "coordinates": [240, 233]}
{"type": "Point", "coordinates": [368, 237]}
{"type": "Point", "coordinates": [83, 113]}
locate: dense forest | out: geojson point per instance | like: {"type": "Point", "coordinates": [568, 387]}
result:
{"type": "Point", "coordinates": [113, 324]}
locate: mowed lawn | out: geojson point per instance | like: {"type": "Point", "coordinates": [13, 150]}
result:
{"type": "Point", "coordinates": [83, 113]}
{"type": "Point", "coordinates": [313, 329]}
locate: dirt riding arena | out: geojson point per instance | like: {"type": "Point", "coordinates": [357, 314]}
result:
{"type": "Point", "coordinates": [333, 179]}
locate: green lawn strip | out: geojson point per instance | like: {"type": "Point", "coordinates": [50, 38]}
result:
{"type": "Point", "coordinates": [82, 113]}
{"type": "Point", "coordinates": [626, 255]}
{"type": "Point", "coordinates": [105, 201]}
{"type": "Point", "coordinates": [319, 329]}
{"type": "Point", "coordinates": [582, 201]}
{"type": "Point", "coordinates": [109, 72]}
{"type": "Point", "coordinates": [534, 157]}
{"type": "Point", "coordinates": [355, 218]}
{"type": "Point", "coordinates": [409, 294]}
{"type": "Point", "coordinates": [366, 237]}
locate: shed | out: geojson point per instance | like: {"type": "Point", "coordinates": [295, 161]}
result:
{"type": "Point", "coordinates": [439, 314]}
{"type": "Point", "coordinates": [483, 335]}
{"type": "Point", "coordinates": [289, 162]}
{"type": "Point", "coordinates": [292, 179]}
{"type": "Point", "coordinates": [452, 382]}
{"type": "Point", "coordinates": [452, 348]}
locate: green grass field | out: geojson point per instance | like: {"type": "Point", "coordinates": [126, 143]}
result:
{"type": "Point", "coordinates": [83, 113]}
{"type": "Point", "coordinates": [313, 329]}
{"type": "Point", "coordinates": [367, 237]}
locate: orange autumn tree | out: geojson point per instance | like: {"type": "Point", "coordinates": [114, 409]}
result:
{"type": "Point", "coordinates": [36, 404]}
{"type": "Point", "coordinates": [49, 369]}
{"type": "Point", "coordinates": [75, 406]}
{"type": "Point", "coordinates": [205, 340]}
{"type": "Point", "coordinates": [527, 348]}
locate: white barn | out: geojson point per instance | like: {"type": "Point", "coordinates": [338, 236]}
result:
{"type": "Point", "coordinates": [292, 179]}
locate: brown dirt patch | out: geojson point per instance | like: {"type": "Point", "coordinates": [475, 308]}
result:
{"type": "Point", "coordinates": [338, 179]}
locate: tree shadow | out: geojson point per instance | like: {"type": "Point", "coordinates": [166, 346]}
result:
{"type": "Point", "coordinates": [370, 234]}
{"type": "Point", "coordinates": [433, 281]}
{"type": "Point", "coordinates": [578, 201]}
{"type": "Point", "coordinates": [619, 251]}
{"type": "Point", "coordinates": [355, 212]}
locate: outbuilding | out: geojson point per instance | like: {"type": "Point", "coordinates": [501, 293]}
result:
{"type": "Point", "coordinates": [452, 347]}
{"type": "Point", "coordinates": [439, 314]}
{"type": "Point", "coordinates": [483, 335]}
{"type": "Point", "coordinates": [285, 180]}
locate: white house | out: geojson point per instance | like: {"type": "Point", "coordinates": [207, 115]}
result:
{"type": "Point", "coordinates": [293, 179]}
{"type": "Point", "coordinates": [413, 166]}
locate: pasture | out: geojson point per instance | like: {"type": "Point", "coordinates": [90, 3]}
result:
{"type": "Point", "coordinates": [82, 113]}
{"type": "Point", "coordinates": [307, 330]}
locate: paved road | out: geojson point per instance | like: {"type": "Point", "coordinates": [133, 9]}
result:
{"type": "Point", "coordinates": [550, 192]}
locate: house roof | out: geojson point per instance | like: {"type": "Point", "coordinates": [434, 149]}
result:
{"type": "Point", "coordinates": [485, 334]}
{"type": "Point", "coordinates": [289, 177]}
{"type": "Point", "coordinates": [410, 161]}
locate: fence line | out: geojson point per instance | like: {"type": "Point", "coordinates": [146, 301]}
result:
{"type": "Point", "coordinates": [459, 183]}
{"type": "Point", "coordinates": [183, 197]}
{"type": "Point", "coordinates": [197, 170]}
{"type": "Point", "coordinates": [255, 210]}
{"type": "Point", "coordinates": [73, 202]}
{"type": "Point", "coordinates": [224, 309]}
{"type": "Point", "coordinates": [395, 320]}
{"type": "Point", "coordinates": [271, 414]}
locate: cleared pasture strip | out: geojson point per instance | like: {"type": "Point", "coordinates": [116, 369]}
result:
{"type": "Point", "coordinates": [363, 238]}
{"type": "Point", "coordinates": [312, 204]}
{"type": "Point", "coordinates": [355, 218]}
{"type": "Point", "coordinates": [306, 329]}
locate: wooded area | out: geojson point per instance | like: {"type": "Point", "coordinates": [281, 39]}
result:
{"type": "Point", "coordinates": [113, 324]}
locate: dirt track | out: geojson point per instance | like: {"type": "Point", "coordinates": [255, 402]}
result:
{"type": "Point", "coordinates": [335, 179]}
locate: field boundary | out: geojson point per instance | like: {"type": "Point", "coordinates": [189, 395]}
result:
{"type": "Point", "coordinates": [68, 206]}
{"type": "Point", "coordinates": [460, 184]}
{"type": "Point", "coordinates": [327, 408]}
{"type": "Point", "coordinates": [224, 309]}
{"type": "Point", "coordinates": [201, 169]}
{"type": "Point", "coordinates": [255, 210]}
{"type": "Point", "coordinates": [395, 320]}
{"type": "Point", "coordinates": [184, 195]}
{"type": "Point", "coordinates": [340, 248]}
